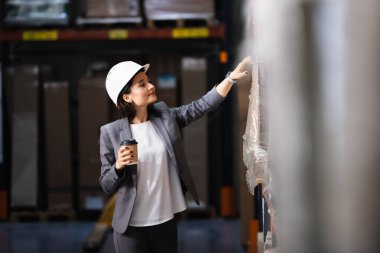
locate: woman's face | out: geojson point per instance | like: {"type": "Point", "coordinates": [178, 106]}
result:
{"type": "Point", "coordinates": [142, 92]}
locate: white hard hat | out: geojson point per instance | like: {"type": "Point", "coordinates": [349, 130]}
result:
{"type": "Point", "coordinates": [119, 75]}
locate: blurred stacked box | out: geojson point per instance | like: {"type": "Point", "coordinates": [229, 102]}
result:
{"type": "Point", "coordinates": [93, 112]}
{"type": "Point", "coordinates": [164, 74]}
{"type": "Point", "coordinates": [57, 145]}
{"type": "Point", "coordinates": [36, 12]}
{"type": "Point", "coordinates": [112, 8]}
{"type": "Point", "coordinates": [179, 9]}
{"type": "Point", "coordinates": [194, 86]}
{"type": "Point", "coordinates": [111, 11]}
{"type": "Point", "coordinates": [23, 102]}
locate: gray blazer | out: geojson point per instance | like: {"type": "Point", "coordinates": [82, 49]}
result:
{"type": "Point", "coordinates": [167, 122]}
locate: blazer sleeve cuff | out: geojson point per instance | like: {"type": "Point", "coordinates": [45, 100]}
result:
{"type": "Point", "coordinates": [113, 175]}
{"type": "Point", "coordinates": [119, 173]}
{"type": "Point", "coordinates": [213, 98]}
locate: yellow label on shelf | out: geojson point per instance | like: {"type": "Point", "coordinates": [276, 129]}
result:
{"type": "Point", "coordinates": [40, 35]}
{"type": "Point", "coordinates": [118, 34]}
{"type": "Point", "coordinates": [187, 33]}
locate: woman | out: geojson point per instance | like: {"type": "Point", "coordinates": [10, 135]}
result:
{"type": "Point", "coordinates": [151, 192]}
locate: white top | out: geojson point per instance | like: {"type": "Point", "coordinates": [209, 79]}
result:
{"type": "Point", "coordinates": [159, 194]}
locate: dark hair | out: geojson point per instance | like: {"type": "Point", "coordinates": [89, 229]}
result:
{"type": "Point", "coordinates": [127, 109]}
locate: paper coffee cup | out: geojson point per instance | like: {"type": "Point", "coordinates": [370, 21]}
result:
{"type": "Point", "coordinates": [132, 143]}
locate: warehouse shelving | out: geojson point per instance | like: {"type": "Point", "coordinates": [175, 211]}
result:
{"type": "Point", "coordinates": [73, 43]}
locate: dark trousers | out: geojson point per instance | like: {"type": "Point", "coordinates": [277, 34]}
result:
{"type": "Point", "coordinates": [162, 238]}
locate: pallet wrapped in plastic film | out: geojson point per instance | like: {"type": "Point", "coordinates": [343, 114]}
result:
{"type": "Point", "coordinates": [179, 9]}
{"type": "Point", "coordinates": [26, 12]}
{"type": "Point", "coordinates": [112, 8]}
{"type": "Point", "coordinates": [255, 153]}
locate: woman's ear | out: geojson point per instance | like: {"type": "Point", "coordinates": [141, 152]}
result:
{"type": "Point", "coordinates": [126, 98]}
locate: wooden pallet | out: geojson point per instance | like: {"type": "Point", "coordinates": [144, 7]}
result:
{"type": "Point", "coordinates": [110, 22]}
{"type": "Point", "coordinates": [28, 216]}
{"type": "Point", "coordinates": [151, 23]}
{"type": "Point", "coordinates": [60, 215]}
{"type": "Point", "coordinates": [39, 216]}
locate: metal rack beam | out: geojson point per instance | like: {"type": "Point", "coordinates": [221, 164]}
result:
{"type": "Point", "coordinates": [216, 32]}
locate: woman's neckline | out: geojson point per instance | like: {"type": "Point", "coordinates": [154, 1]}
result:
{"type": "Point", "coordinates": [140, 123]}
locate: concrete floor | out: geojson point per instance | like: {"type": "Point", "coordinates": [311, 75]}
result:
{"type": "Point", "coordinates": [195, 236]}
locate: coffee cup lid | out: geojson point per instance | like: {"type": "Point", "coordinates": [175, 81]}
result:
{"type": "Point", "coordinates": [128, 142]}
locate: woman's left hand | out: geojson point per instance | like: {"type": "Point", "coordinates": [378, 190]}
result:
{"type": "Point", "coordinates": [241, 70]}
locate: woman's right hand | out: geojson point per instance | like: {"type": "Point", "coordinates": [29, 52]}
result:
{"type": "Point", "coordinates": [240, 71]}
{"type": "Point", "coordinates": [124, 157]}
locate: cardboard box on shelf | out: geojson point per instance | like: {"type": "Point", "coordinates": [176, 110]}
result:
{"type": "Point", "coordinates": [164, 72]}
{"type": "Point", "coordinates": [169, 96]}
{"type": "Point", "coordinates": [92, 114]}
{"type": "Point", "coordinates": [194, 83]}
{"type": "Point", "coordinates": [57, 141]}
{"type": "Point", "coordinates": [36, 12]}
{"type": "Point", "coordinates": [24, 121]}
{"type": "Point", "coordinates": [112, 8]}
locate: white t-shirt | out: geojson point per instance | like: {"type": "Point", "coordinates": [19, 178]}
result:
{"type": "Point", "coordinates": [159, 194]}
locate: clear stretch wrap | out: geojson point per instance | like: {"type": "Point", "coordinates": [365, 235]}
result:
{"type": "Point", "coordinates": [112, 8]}
{"type": "Point", "coordinates": [255, 156]}
{"type": "Point", "coordinates": [35, 12]}
{"type": "Point", "coordinates": [179, 9]}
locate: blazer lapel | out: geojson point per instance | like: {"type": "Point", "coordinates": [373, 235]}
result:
{"type": "Point", "coordinates": [125, 130]}
{"type": "Point", "coordinates": [161, 130]}
{"type": "Point", "coordinates": [126, 134]}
